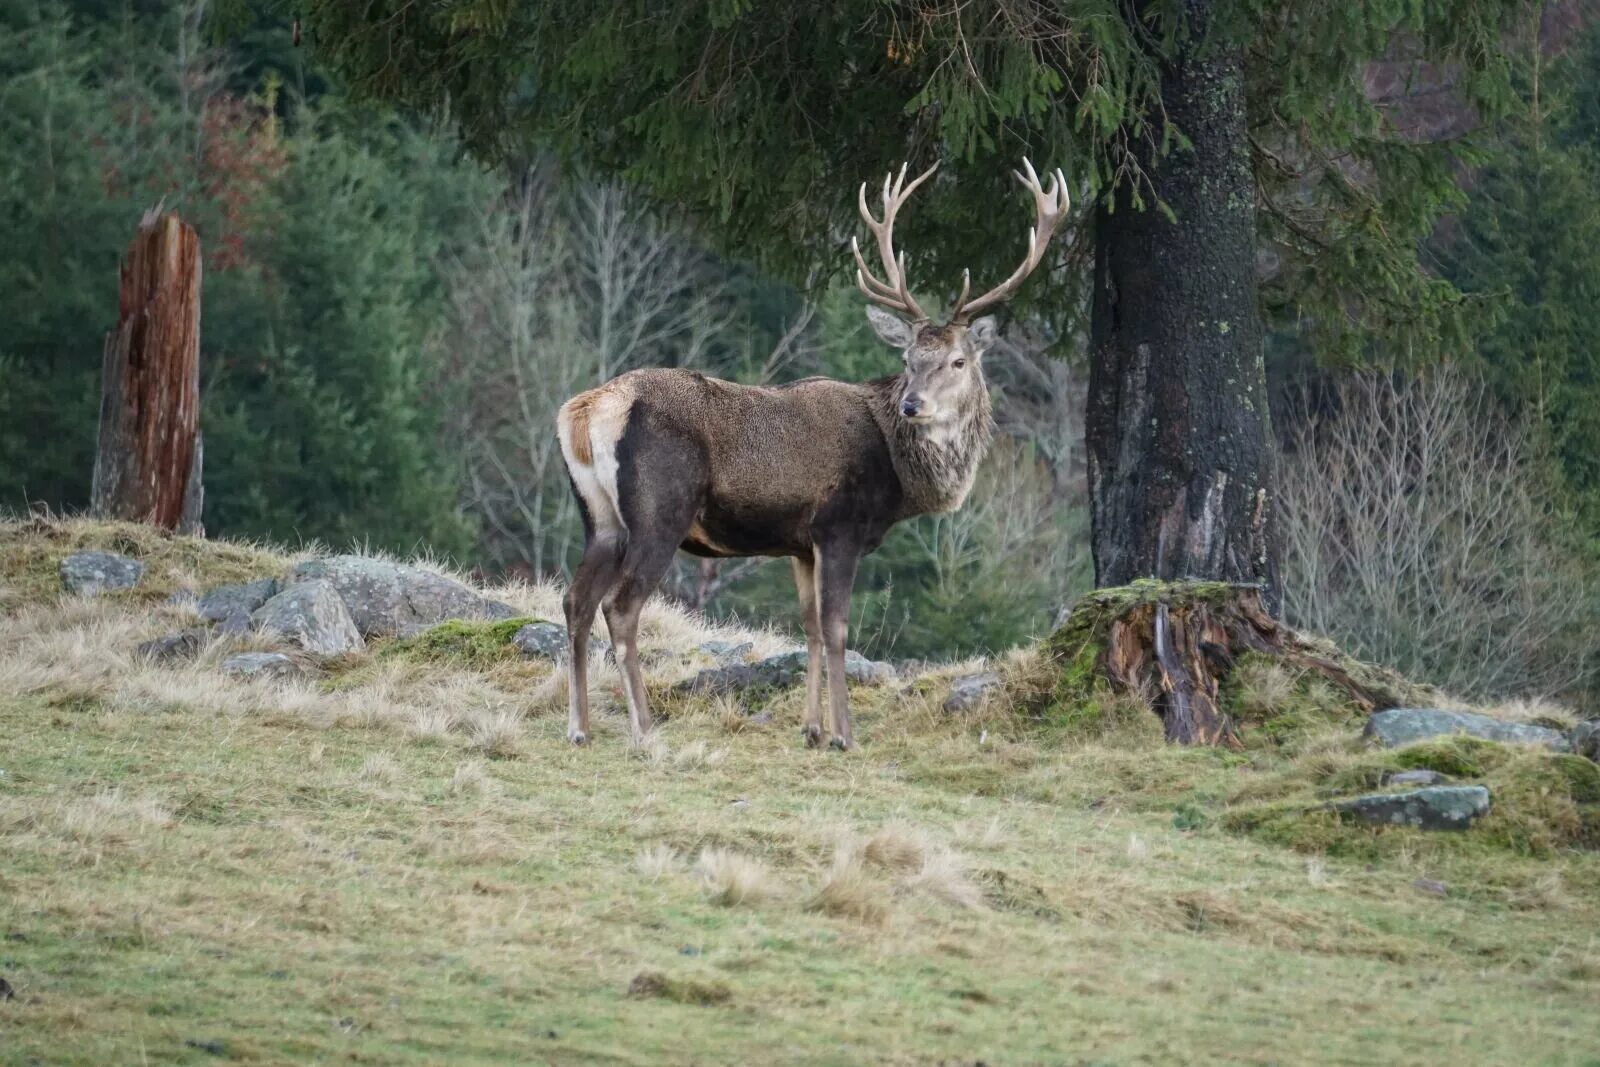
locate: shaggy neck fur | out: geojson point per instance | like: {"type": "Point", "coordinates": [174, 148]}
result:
{"type": "Point", "coordinates": [935, 463]}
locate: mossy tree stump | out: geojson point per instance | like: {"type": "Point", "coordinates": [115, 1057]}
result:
{"type": "Point", "coordinates": [1171, 644]}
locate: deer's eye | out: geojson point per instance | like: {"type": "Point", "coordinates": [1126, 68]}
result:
{"type": "Point", "coordinates": [958, 364]}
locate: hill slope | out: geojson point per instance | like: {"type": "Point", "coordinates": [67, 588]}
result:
{"type": "Point", "coordinates": [399, 859]}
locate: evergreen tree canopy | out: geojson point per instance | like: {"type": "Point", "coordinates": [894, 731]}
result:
{"type": "Point", "coordinates": [760, 119]}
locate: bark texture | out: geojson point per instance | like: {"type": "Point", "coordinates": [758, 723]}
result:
{"type": "Point", "coordinates": [1172, 644]}
{"type": "Point", "coordinates": [1178, 434]}
{"type": "Point", "coordinates": [148, 459]}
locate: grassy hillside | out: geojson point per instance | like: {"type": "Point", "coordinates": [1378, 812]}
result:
{"type": "Point", "coordinates": [399, 859]}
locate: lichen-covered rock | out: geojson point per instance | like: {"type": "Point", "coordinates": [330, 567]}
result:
{"type": "Point", "coordinates": [1401, 726]}
{"type": "Point", "coordinates": [387, 599]}
{"type": "Point", "coordinates": [1440, 807]}
{"type": "Point", "coordinates": [968, 691]}
{"type": "Point", "coordinates": [780, 672]}
{"type": "Point", "coordinates": [312, 615]}
{"type": "Point", "coordinates": [1413, 777]}
{"type": "Point", "coordinates": [185, 644]}
{"type": "Point", "coordinates": [259, 664]}
{"type": "Point", "coordinates": [1585, 739]}
{"type": "Point", "coordinates": [232, 601]}
{"type": "Point", "coordinates": [548, 640]}
{"type": "Point", "coordinates": [727, 653]}
{"type": "Point", "coordinates": [93, 573]}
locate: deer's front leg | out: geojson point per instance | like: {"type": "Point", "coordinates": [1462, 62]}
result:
{"type": "Point", "coordinates": [836, 574]}
{"type": "Point", "coordinates": [805, 584]}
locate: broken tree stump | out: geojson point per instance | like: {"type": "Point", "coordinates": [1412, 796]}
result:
{"type": "Point", "coordinates": [147, 464]}
{"type": "Point", "coordinates": [1171, 644]}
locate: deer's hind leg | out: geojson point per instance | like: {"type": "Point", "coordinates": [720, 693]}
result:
{"type": "Point", "coordinates": [596, 575]}
{"type": "Point", "coordinates": [661, 486]}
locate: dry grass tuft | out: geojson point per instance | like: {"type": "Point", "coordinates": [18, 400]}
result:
{"type": "Point", "coordinates": [943, 875]}
{"type": "Point", "coordinates": [732, 878]}
{"type": "Point", "coordinates": [656, 862]}
{"type": "Point", "coordinates": [431, 724]}
{"type": "Point", "coordinates": [497, 735]}
{"type": "Point", "coordinates": [1265, 687]}
{"type": "Point", "coordinates": [1538, 711]}
{"type": "Point", "coordinates": [897, 848]}
{"type": "Point", "coordinates": [848, 892]}
{"type": "Point", "coordinates": [380, 768]}
{"type": "Point", "coordinates": [112, 810]}
{"type": "Point", "coordinates": [470, 779]}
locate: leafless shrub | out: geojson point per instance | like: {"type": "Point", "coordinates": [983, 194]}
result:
{"type": "Point", "coordinates": [565, 287]}
{"type": "Point", "coordinates": [1418, 531]}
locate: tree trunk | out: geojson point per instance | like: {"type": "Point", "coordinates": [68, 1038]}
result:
{"type": "Point", "coordinates": [1178, 434]}
{"type": "Point", "coordinates": [147, 462]}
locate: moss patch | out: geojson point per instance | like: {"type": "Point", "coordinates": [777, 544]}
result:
{"type": "Point", "coordinates": [477, 645]}
{"type": "Point", "coordinates": [1541, 802]}
{"type": "Point", "coordinates": [31, 551]}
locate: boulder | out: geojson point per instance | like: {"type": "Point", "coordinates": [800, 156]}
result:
{"type": "Point", "coordinates": [312, 615]}
{"type": "Point", "coordinates": [542, 640]}
{"type": "Point", "coordinates": [260, 664]}
{"type": "Point", "coordinates": [227, 602]}
{"type": "Point", "coordinates": [968, 691]}
{"type": "Point", "coordinates": [1439, 807]}
{"type": "Point", "coordinates": [1401, 726]}
{"type": "Point", "coordinates": [1585, 739]}
{"type": "Point", "coordinates": [185, 644]}
{"type": "Point", "coordinates": [387, 599]}
{"type": "Point", "coordinates": [780, 672]}
{"type": "Point", "coordinates": [93, 573]}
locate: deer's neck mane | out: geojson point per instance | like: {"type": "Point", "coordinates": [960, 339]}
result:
{"type": "Point", "coordinates": [936, 464]}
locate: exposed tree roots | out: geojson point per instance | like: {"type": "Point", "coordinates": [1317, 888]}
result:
{"type": "Point", "coordinates": [1172, 644]}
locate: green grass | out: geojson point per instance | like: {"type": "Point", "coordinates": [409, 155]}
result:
{"type": "Point", "coordinates": [196, 870]}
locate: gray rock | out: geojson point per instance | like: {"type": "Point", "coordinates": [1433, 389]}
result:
{"type": "Point", "coordinates": [780, 672]}
{"type": "Point", "coordinates": [234, 625]}
{"type": "Point", "coordinates": [1401, 726]}
{"type": "Point", "coordinates": [548, 640]}
{"type": "Point", "coordinates": [312, 615]}
{"type": "Point", "coordinates": [727, 653]}
{"type": "Point", "coordinates": [185, 644]}
{"type": "Point", "coordinates": [1418, 777]}
{"type": "Point", "coordinates": [1439, 807]}
{"type": "Point", "coordinates": [968, 691]}
{"type": "Point", "coordinates": [230, 601]}
{"type": "Point", "coordinates": [385, 599]}
{"type": "Point", "coordinates": [93, 573]}
{"type": "Point", "coordinates": [259, 664]}
{"type": "Point", "coordinates": [1585, 739]}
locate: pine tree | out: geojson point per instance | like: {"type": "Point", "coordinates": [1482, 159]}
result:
{"type": "Point", "coordinates": [1525, 247]}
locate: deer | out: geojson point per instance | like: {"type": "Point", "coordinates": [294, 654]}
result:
{"type": "Point", "coordinates": [817, 470]}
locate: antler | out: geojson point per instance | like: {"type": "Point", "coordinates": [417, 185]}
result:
{"type": "Point", "coordinates": [892, 294]}
{"type": "Point", "coordinates": [1050, 205]}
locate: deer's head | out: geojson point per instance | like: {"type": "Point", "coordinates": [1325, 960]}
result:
{"type": "Point", "coordinates": [943, 377]}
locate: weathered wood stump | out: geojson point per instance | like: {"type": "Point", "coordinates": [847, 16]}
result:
{"type": "Point", "coordinates": [1173, 643]}
{"type": "Point", "coordinates": [148, 459]}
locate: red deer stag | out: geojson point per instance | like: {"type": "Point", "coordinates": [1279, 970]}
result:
{"type": "Point", "coordinates": [817, 470]}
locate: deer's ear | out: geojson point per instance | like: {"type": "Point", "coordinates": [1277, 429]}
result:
{"type": "Point", "coordinates": [983, 334]}
{"type": "Point", "coordinates": [890, 328]}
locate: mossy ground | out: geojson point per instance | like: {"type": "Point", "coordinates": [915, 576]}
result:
{"type": "Point", "coordinates": [402, 861]}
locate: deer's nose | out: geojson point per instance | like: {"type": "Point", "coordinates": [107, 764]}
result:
{"type": "Point", "coordinates": [910, 406]}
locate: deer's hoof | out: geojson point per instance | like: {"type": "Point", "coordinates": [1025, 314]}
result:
{"type": "Point", "coordinates": [577, 737]}
{"type": "Point", "coordinates": [812, 735]}
{"type": "Point", "coordinates": [840, 743]}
